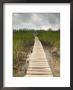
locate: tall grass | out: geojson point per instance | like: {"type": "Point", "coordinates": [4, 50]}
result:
{"type": "Point", "coordinates": [51, 43]}
{"type": "Point", "coordinates": [50, 37]}
{"type": "Point", "coordinates": [22, 44]}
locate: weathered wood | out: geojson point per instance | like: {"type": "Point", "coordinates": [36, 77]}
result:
{"type": "Point", "coordinates": [38, 64]}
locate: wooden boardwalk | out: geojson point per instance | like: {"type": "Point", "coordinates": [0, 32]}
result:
{"type": "Point", "coordinates": [38, 64]}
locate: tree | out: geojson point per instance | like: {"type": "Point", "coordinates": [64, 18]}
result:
{"type": "Point", "coordinates": [49, 29]}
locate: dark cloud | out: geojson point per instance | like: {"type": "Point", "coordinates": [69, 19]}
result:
{"type": "Point", "coordinates": [36, 20]}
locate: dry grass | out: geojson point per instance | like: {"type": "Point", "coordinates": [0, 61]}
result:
{"type": "Point", "coordinates": [53, 61]}
{"type": "Point", "coordinates": [22, 46]}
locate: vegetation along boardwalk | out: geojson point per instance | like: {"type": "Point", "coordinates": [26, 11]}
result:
{"type": "Point", "coordinates": [38, 63]}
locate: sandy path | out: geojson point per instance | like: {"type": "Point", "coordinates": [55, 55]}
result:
{"type": "Point", "coordinates": [38, 64]}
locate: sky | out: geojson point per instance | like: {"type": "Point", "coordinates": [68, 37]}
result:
{"type": "Point", "coordinates": [36, 21]}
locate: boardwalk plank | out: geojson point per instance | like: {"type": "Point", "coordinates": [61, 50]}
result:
{"type": "Point", "coordinates": [38, 63]}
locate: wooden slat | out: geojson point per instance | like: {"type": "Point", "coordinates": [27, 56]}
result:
{"type": "Point", "coordinates": [38, 63]}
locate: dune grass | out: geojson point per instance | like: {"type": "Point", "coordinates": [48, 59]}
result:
{"type": "Point", "coordinates": [22, 45]}
{"type": "Point", "coordinates": [51, 40]}
{"type": "Point", "coordinates": [50, 37]}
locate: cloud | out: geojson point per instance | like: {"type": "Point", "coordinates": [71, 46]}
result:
{"type": "Point", "coordinates": [36, 20]}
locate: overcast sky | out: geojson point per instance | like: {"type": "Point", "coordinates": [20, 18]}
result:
{"type": "Point", "coordinates": [36, 20]}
